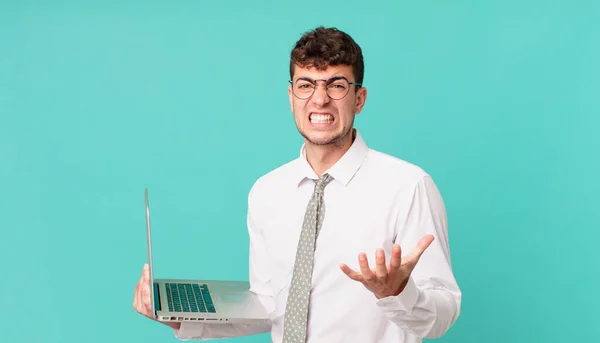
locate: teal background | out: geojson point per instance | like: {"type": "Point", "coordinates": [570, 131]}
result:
{"type": "Point", "coordinates": [497, 100]}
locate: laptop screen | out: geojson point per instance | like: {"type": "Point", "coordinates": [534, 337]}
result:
{"type": "Point", "coordinates": [149, 252]}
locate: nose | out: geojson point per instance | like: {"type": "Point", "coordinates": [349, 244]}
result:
{"type": "Point", "coordinates": [320, 97]}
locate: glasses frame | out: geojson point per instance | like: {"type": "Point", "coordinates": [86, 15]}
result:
{"type": "Point", "coordinates": [327, 82]}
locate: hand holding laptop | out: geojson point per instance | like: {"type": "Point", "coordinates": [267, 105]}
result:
{"type": "Point", "coordinates": [142, 298]}
{"type": "Point", "coordinates": [172, 301]}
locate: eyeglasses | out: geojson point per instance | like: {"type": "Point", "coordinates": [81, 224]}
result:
{"type": "Point", "coordinates": [336, 87]}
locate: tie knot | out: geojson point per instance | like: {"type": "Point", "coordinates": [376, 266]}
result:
{"type": "Point", "coordinates": [322, 182]}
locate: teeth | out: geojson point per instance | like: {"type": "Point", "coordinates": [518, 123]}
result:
{"type": "Point", "coordinates": [321, 118]}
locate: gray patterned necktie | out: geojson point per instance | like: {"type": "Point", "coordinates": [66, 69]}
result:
{"type": "Point", "coordinates": [296, 311]}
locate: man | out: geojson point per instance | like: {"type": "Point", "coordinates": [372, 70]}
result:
{"type": "Point", "coordinates": [315, 222]}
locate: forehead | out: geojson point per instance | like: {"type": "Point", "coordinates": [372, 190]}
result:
{"type": "Point", "coordinates": [314, 73]}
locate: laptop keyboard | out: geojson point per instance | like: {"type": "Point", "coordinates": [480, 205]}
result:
{"type": "Point", "coordinates": [189, 297]}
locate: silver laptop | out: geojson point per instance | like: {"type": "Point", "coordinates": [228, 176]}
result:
{"type": "Point", "coordinates": [201, 300]}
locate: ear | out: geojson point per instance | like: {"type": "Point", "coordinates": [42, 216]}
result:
{"type": "Point", "coordinates": [361, 98]}
{"type": "Point", "coordinates": [290, 96]}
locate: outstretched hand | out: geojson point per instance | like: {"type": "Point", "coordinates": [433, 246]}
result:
{"type": "Point", "coordinates": [388, 280]}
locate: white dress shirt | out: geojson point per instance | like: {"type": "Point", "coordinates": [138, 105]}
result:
{"type": "Point", "coordinates": [374, 201]}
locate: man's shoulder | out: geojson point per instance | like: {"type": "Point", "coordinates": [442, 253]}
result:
{"type": "Point", "coordinates": [390, 166]}
{"type": "Point", "coordinates": [276, 178]}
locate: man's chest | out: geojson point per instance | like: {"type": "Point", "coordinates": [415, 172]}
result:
{"type": "Point", "coordinates": [350, 226]}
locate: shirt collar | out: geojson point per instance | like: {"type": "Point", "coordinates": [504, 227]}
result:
{"type": "Point", "coordinates": [344, 169]}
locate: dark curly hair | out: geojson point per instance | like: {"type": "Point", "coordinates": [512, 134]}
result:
{"type": "Point", "coordinates": [324, 47]}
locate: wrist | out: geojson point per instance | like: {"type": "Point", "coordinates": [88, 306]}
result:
{"type": "Point", "coordinates": [395, 292]}
{"type": "Point", "coordinates": [173, 325]}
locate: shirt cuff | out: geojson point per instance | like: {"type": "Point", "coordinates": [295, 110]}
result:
{"type": "Point", "coordinates": [187, 331]}
{"type": "Point", "coordinates": [405, 301]}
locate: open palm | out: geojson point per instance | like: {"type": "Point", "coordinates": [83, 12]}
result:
{"type": "Point", "coordinates": [387, 279]}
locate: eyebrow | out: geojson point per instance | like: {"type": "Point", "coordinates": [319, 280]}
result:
{"type": "Point", "coordinates": [333, 78]}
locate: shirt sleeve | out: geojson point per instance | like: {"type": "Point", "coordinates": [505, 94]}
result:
{"type": "Point", "coordinates": [430, 303]}
{"type": "Point", "coordinates": [260, 285]}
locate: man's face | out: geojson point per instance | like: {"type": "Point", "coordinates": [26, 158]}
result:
{"type": "Point", "coordinates": [319, 118]}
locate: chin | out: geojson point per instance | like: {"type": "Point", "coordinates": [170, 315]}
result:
{"type": "Point", "coordinates": [322, 138]}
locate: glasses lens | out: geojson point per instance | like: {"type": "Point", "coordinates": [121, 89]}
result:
{"type": "Point", "coordinates": [337, 89]}
{"type": "Point", "coordinates": [303, 89]}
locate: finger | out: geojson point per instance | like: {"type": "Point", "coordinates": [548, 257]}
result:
{"type": "Point", "coordinates": [140, 305]}
{"type": "Point", "coordinates": [135, 297]}
{"type": "Point", "coordinates": [351, 273]}
{"type": "Point", "coordinates": [366, 272]}
{"type": "Point", "coordinates": [396, 259]}
{"type": "Point", "coordinates": [136, 294]}
{"type": "Point", "coordinates": [137, 304]}
{"type": "Point", "coordinates": [416, 253]}
{"type": "Point", "coordinates": [147, 300]}
{"type": "Point", "coordinates": [146, 273]}
{"type": "Point", "coordinates": [380, 268]}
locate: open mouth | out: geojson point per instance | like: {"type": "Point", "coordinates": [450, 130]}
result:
{"type": "Point", "coordinates": [317, 118]}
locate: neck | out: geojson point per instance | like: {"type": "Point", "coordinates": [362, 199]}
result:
{"type": "Point", "coordinates": [322, 157]}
